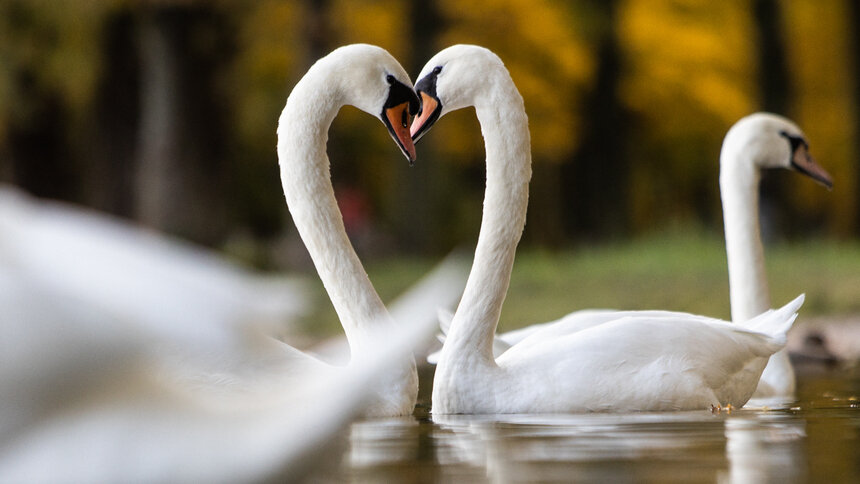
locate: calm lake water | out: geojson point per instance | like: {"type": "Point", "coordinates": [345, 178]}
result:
{"type": "Point", "coordinates": [814, 439]}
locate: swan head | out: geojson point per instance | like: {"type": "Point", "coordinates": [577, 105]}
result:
{"type": "Point", "coordinates": [369, 78]}
{"type": "Point", "coordinates": [772, 141]}
{"type": "Point", "coordinates": [453, 79]}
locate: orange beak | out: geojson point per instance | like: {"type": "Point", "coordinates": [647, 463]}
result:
{"type": "Point", "coordinates": [397, 118]}
{"type": "Point", "coordinates": [429, 105]}
{"type": "Point", "coordinates": [805, 163]}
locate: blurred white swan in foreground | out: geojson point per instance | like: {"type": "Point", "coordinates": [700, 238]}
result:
{"type": "Point", "coordinates": [757, 142]}
{"type": "Point", "coordinates": [210, 400]}
{"type": "Point", "coordinates": [131, 271]}
{"type": "Point", "coordinates": [621, 361]}
{"type": "Point", "coordinates": [91, 398]}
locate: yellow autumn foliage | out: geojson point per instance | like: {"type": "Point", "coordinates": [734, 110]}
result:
{"type": "Point", "coordinates": [268, 39]}
{"type": "Point", "coordinates": [547, 58]}
{"type": "Point", "coordinates": [688, 71]}
{"type": "Point", "coordinates": [688, 59]}
{"type": "Point", "coordinates": [817, 35]}
{"type": "Point", "coordinates": [378, 22]}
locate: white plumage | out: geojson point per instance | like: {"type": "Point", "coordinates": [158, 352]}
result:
{"type": "Point", "coordinates": [757, 142]}
{"type": "Point", "coordinates": [616, 362]}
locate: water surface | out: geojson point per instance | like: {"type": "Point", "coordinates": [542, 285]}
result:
{"type": "Point", "coordinates": [816, 438]}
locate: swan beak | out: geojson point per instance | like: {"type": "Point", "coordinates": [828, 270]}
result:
{"type": "Point", "coordinates": [396, 119]}
{"type": "Point", "coordinates": [803, 162]}
{"type": "Point", "coordinates": [427, 115]}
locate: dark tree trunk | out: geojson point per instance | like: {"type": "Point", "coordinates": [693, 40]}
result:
{"type": "Point", "coordinates": [41, 160]}
{"type": "Point", "coordinates": [598, 179]}
{"type": "Point", "coordinates": [545, 224]}
{"type": "Point", "coordinates": [419, 187]}
{"type": "Point", "coordinates": [111, 152]}
{"type": "Point", "coordinates": [182, 144]}
{"type": "Point", "coordinates": [773, 73]}
{"type": "Point", "coordinates": [775, 95]}
{"type": "Point", "coordinates": [157, 178]}
{"type": "Point", "coordinates": [35, 150]}
{"type": "Point", "coordinates": [317, 30]}
{"type": "Point", "coordinates": [854, 42]}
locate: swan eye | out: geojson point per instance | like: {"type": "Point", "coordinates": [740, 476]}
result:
{"type": "Point", "coordinates": [795, 141]}
{"type": "Point", "coordinates": [437, 69]}
{"type": "Point", "coordinates": [390, 79]}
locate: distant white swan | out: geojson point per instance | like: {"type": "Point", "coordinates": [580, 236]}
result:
{"type": "Point", "coordinates": [757, 142]}
{"type": "Point", "coordinates": [624, 362]}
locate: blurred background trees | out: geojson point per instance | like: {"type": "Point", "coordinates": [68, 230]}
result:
{"type": "Point", "coordinates": [165, 112]}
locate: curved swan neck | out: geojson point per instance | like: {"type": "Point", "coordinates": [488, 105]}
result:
{"type": "Point", "coordinates": [306, 179]}
{"type": "Point", "coordinates": [739, 190]}
{"type": "Point", "coordinates": [504, 125]}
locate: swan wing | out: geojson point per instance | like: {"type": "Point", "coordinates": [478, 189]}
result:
{"type": "Point", "coordinates": [642, 363]}
{"type": "Point", "coordinates": [580, 320]}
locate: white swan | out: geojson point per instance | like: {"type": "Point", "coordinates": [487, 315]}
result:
{"type": "Point", "coordinates": [368, 78]}
{"type": "Point", "coordinates": [91, 398]}
{"type": "Point", "coordinates": [628, 362]}
{"type": "Point", "coordinates": [757, 142]}
{"type": "Point", "coordinates": [135, 272]}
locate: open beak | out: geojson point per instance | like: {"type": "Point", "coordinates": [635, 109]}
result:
{"type": "Point", "coordinates": [429, 113]}
{"type": "Point", "coordinates": [803, 162]}
{"type": "Point", "coordinates": [396, 119]}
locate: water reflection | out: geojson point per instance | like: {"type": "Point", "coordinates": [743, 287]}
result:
{"type": "Point", "coordinates": [767, 447]}
{"type": "Point", "coordinates": [598, 447]}
{"type": "Point", "coordinates": [817, 436]}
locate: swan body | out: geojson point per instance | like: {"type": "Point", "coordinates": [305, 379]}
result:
{"type": "Point", "coordinates": [617, 361]}
{"type": "Point", "coordinates": [756, 142]}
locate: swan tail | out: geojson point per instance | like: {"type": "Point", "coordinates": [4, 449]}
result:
{"type": "Point", "coordinates": [776, 323]}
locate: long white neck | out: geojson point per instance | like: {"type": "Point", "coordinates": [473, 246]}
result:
{"type": "Point", "coordinates": [302, 135]}
{"type": "Point", "coordinates": [504, 125]}
{"type": "Point", "coordinates": [739, 189]}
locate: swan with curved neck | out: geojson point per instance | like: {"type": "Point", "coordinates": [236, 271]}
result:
{"type": "Point", "coordinates": [625, 361]}
{"type": "Point", "coordinates": [368, 78]}
{"type": "Point", "coordinates": [756, 142]}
